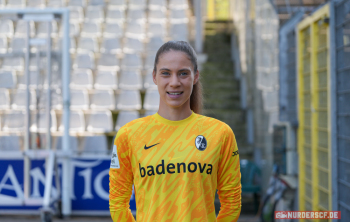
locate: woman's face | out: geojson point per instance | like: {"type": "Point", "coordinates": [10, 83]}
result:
{"type": "Point", "coordinates": [175, 78]}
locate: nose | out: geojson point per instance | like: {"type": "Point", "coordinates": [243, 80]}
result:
{"type": "Point", "coordinates": [174, 81]}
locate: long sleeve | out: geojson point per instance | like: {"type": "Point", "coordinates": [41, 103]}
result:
{"type": "Point", "coordinates": [120, 179]}
{"type": "Point", "coordinates": [229, 180]}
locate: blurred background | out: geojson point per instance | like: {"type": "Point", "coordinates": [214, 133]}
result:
{"type": "Point", "coordinates": [276, 71]}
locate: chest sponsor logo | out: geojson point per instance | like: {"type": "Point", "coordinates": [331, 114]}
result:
{"type": "Point", "coordinates": [172, 168]}
{"type": "Point", "coordinates": [115, 161]}
{"type": "Point", "coordinates": [147, 147]}
{"type": "Point", "coordinates": [201, 143]}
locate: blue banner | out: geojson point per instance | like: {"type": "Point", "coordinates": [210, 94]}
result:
{"type": "Point", "coordinates": [90, 184]}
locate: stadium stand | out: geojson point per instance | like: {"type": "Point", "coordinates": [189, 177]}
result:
{"type": "Point", "coordinates": [112, 45]}
{"type": "Point", "coordinates": [124, 117]}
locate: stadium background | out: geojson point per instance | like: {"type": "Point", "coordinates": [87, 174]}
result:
{"type": "Point", "coordinates": [276, 71]}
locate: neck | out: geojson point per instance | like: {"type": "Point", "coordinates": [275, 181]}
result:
{"type": "Point", "coordinates": [174, 114]}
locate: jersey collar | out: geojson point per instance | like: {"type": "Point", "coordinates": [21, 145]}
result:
{"type": "Point", "coordinates": [161, 119]}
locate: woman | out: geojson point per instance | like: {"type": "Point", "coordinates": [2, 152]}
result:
{"type": "Point", "coordinates": [176, 158]}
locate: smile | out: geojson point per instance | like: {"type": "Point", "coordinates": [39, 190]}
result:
{"type": "Point", "coordinates": [175, 93]}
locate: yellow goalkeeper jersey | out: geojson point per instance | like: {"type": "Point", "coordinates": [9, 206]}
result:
{"type": "Point", "coordinates": [176, 168]}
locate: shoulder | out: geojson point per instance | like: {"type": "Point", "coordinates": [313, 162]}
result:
{"type": "Point", "coordinates": [133, 126]}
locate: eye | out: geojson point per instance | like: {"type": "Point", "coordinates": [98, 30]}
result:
{"type": "Point", "coordinates": [165, 73]}
{"type": "Point", "coordinates": [183, 74]}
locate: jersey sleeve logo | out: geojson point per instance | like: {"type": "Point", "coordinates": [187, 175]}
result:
{"type": "Point", "coordinates": [115, 161]}
{"type": "Point", "coordinates": [235, 153]}
{"type": "Point", "coordinates": [201, 143]}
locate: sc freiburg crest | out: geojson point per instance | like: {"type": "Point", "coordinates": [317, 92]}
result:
{"type": "Point", "coordinates": [201, 143]}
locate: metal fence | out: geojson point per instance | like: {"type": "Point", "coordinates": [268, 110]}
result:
{"type": "Point", "coordinates": [314, 133]}
{"type": "Point", "coordinates": [341, 118]}
{"type": "Point", "coordinates": [288, 71]}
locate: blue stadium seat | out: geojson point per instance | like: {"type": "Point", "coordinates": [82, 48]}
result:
{"type": "Point", "coordinates": [148, 82]}
{"type": "Point", "coordinates": [132, 60]}
{"type": "Point", "coordinates": [95, 14]}
{"type": "Point", "coordinates": [91, 29]}
{"type": "Point", "coordinates": [124, 117]}
{"type": "Point", "coordinates": [16, 4]}
{"type": "Point", "coordinates": [129, 100]}
{"type": "Point", "coordinates": [133, 45]}
{"type": "Point", "coordinates": [102, 100]}
{"type": "Point", "coordinates": [4, 99]}
{"type": "Point", "coordinates": [6, 28]}
{"type": "Point", "coordinates": [81, 79]}
{"type": "Point", "coordinates": [113, 29]}
{"type": "Point", "coordinates": [111, 45]}
{"type": "Point", "coordinates": [38, 122]}
{"type": "Point", "coordinates": [84, 61]}
{"type": "Point", "coordinates": [130, 79]}
{"type": "Point", "coordinates": [18, 99]}
{"type": "Point", "coordinates": [56, 3]}
{"type": "Point", "coordinates": [76, 122]}
{"type": "Point", "coordinates": [79, 99]}
{"type": "Point", "coordinates": [157, 3]}
{"type": "Point", "coordinates": [21, 28]}
{"type": "Point", "coordinates": [8, 79]}
{"type": "Point", "coordinates": [151, 100]}
{"type": "Point", "coordinates": [100, 122]}
{"type": "Point", "coordinates": [87, 44]}
{"type": "Point", "coordinates": [10, 142]}
{"type": "Point", "coordinates": [79, 3]}
{"type": "Point", "coordinates": [96, 144]}
{"type": "Point", "coordinates": [108, 61]}
{"type": "Point", "coordinates": [118, 3]}
{"type": "Point", "coordinates": [76, 14]}
{"type": "Point", "coordinates": [3, 45]}
{"type": "Point", "coordinates": [106, 79]}
{"type": "Point", "coordinates": [115, 15]}
{"type": "Point", "coordinates": [13, 121]}
{"type": "Point", "coordinates": [36, 3]}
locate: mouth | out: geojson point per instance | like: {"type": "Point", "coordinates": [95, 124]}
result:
{"type": "Point", "coordinates": [174, 93]}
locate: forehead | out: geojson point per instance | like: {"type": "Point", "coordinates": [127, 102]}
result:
{"type": "Point", "coordinates": [174, 59]}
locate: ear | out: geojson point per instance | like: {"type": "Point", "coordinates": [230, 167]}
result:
{"type": "Point", "coordinates": [196, 77]}
{"type": "Point", "coordinates": [154, 77]}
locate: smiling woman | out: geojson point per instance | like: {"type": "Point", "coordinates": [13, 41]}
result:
{"type": "Point", "coordinates": [176, 159]}
{"type": "Point", "coordinates": [177, 76]}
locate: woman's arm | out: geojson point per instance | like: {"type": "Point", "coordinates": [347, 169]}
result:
{"type": "Point", "coordinates": [229, 180]}
{"type": "Point", "coordinates": [120, 179]}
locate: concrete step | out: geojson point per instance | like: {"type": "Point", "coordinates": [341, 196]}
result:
{"type": "Point", "coordinates": [221, 88]}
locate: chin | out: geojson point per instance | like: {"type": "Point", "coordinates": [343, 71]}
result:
{"type": "Point", "coordinates": [175, 105]}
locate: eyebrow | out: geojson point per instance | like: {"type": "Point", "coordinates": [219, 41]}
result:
{"type": "Point", "coordinates": [166, 69]}
{"type": "Point", "coordinates": [184, 70]}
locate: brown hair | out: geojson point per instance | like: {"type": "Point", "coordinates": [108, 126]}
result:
{"type": "Point", "coordinates": [196, 99]}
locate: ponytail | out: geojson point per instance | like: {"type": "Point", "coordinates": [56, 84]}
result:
{"type": "Point", "coordinates": [196, 99]}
